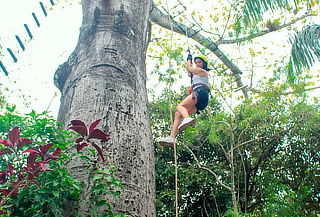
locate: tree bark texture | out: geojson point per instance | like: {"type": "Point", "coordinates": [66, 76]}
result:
{"type": "Point", "coordinates": [105, 77]}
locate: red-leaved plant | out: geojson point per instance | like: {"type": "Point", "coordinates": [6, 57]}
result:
{"type": "Point", "coordinates": [87, 134]}
{"type": "Point", "coordinates": [19, 176]}
{"type": "Point", "coordinates": [38, 158]}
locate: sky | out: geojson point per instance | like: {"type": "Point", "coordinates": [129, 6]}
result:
{"type": "Point", "coordinates": [30, 79]}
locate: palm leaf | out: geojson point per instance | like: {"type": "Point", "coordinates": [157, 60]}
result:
{"type": "Point", "coordinates": [253, 10]}
{"type": "Point", "coordinates": [305, 49]}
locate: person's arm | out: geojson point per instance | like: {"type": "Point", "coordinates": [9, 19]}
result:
{"type": "Point", "coordinates": [197, 71]}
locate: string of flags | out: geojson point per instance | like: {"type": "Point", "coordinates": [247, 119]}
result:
{"type": "Point", "coordinates": [27, 29]}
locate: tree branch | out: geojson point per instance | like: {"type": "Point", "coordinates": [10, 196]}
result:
{"type": "Point", "coordinates": [307, 89]}
{"type": "Point", "coordinates": [285, 93]}
{"type": "Point", "coordinates": [225, 153]}
{"type": "Point", "coordinates": [227, 22]}
{"type": "Point", "coordinates": [253, 140]}
{"type": "Point", "coordinates": [209, 170]}
{"type": "Point", "coordinates": [258, 34]}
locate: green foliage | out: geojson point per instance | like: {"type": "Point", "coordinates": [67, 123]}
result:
{"type": "Point", "coordinates": [255, 9]}
{"type": "Point", "coordinates": [294, 191]}
{"type": "Point", "coordinates": [256, 17]}
{"type": "Point", "coordinates": [38, 127]}
{"type": "Point", "coordinates": [57, 191]}
{"type": "Point", "coordinates": [275, 154]}
{"type": "Point", "coordinates": [283, 201]}
{"type": "Point", "coordinates": [56, 188]}
{"type": "Point", "coordinates": [103, 181]}
{"type": "Point", "coordinates": [305, 49]}
{"type": "Point", "coordinates": [168, 63]}
{"type": "Point", "coordinates": [189, 179]}
{"type": "Point", "coordinates": [232, 213]}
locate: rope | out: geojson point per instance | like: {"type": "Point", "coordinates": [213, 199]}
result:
{"type": "Point", "coordinates": [174, 144]}
{"type": "Point", "coordinates": [176, 177]}
{"type": "Point", "coordinates": [172, 120]}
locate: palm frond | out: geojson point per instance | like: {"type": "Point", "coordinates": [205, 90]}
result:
{"type": "Point", "coordinates": [254, 10]}
{"type": "Point", "coordinates": [305, 49]}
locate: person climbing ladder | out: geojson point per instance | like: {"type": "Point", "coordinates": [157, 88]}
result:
{"type": "Point", "coordinates": [196, 101]}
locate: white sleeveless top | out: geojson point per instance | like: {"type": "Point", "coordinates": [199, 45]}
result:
{"type": "Point", "coordinates": [196, 79]}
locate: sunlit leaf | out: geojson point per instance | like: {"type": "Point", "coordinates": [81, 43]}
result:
{"type": "Point", "coordinates": [253, 10]}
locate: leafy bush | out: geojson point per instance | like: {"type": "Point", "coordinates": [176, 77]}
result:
{"type": "Point", "coordinates": [34, 180]}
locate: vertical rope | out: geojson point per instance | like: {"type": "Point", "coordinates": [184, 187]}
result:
{"type": "Point", "coordinates": [174, 144]}
{"type": "Point", "coordinates": [176, 177]}
{"type": "Point", "coordinates": [172, 119]}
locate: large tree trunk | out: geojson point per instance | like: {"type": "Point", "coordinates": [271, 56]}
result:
{"type": "Point", "coordinates": [105, 77]}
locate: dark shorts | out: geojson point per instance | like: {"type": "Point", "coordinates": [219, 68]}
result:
{"type": "Point", "coordinates": [202, 94]}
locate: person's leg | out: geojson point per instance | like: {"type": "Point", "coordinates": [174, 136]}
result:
{"type": "Point", "coordinates": [184, 110]}
{"type": "Point", "coordinates": [187, 106]}
{"type": "Point", "coordinates": [176, 122]}
{"type": "Point", "coordinates": [170, 140]}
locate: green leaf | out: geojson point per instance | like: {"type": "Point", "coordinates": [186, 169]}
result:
{"type": "Point", "coordinates": [305, 50]}
{"type": "Point", "coordinates": [56, 193]}
{"type": "Point", "coordinates": [101, 203]}
{"type": "Point", "coordinates": [55, 183]}
{"type": "Point", "coordinates": [253, 10]}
